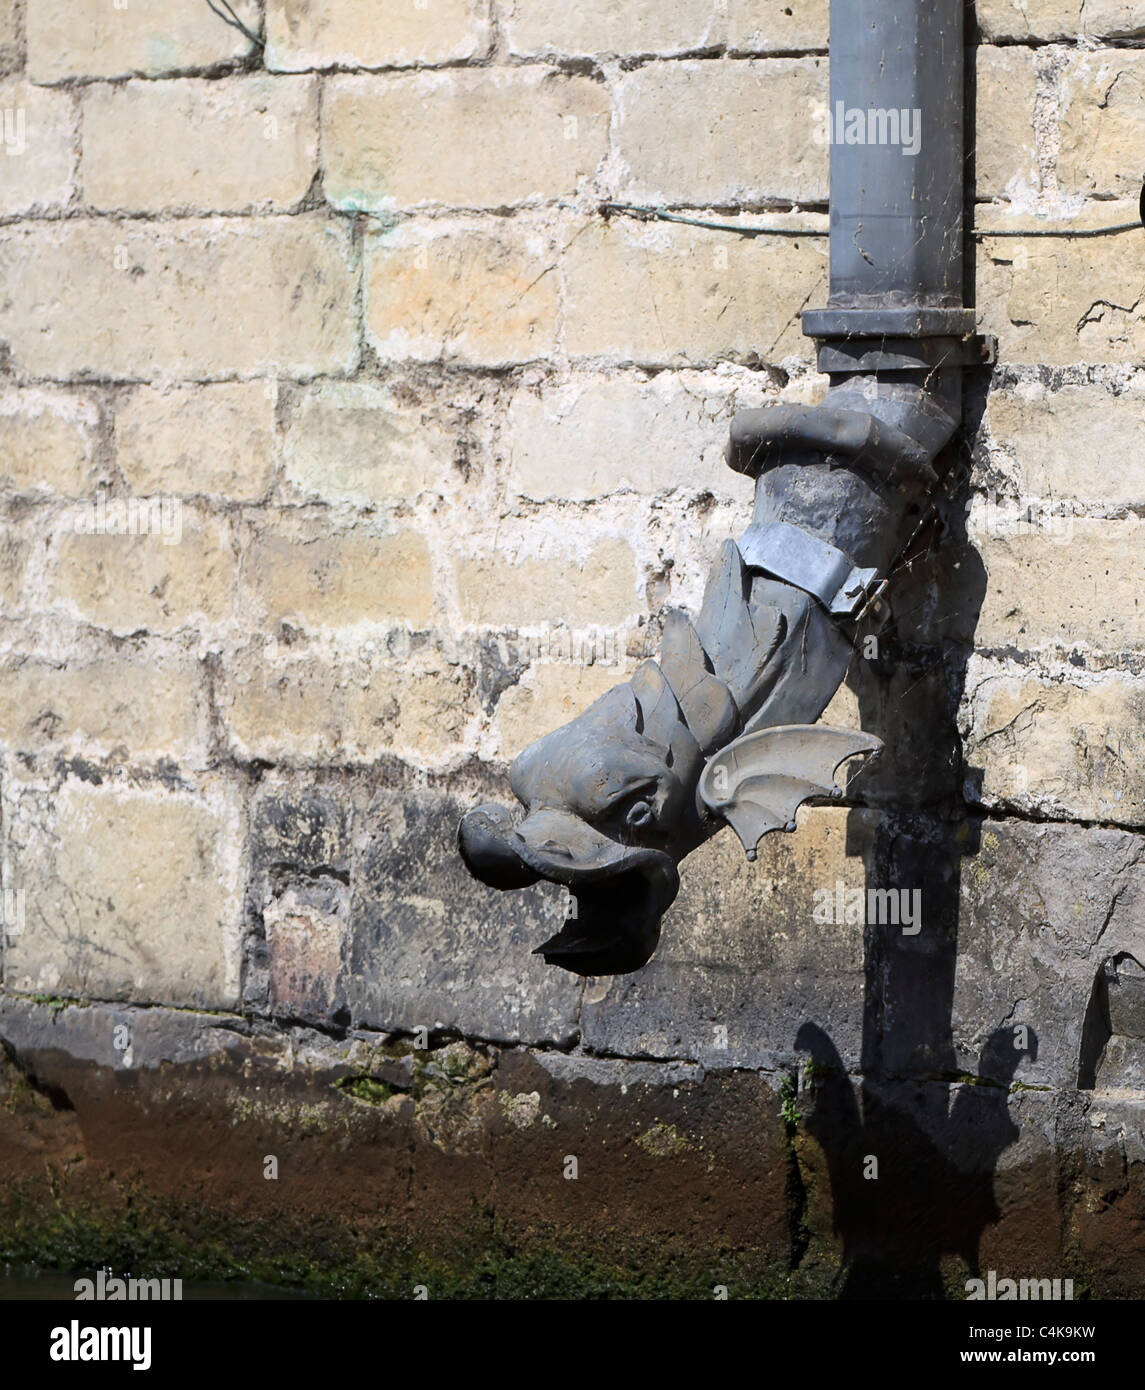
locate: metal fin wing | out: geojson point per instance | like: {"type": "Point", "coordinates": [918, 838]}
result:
{"type": "Point", "coordinates": [759, 782]}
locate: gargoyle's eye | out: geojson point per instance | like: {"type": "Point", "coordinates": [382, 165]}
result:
{"type": "Point", "coordinates": [638, 815]}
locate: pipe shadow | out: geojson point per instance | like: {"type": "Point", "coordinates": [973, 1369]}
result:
{"type": "Point", "coordinates": [912, 1147]}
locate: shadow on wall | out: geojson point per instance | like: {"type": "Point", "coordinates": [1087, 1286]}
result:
{"type": "Point", "coordinates": [933, 1134]}
{"type": "Point", "coordinates": [912, 1151]}
{"type": "Point", "coordinates": [931, 1192]}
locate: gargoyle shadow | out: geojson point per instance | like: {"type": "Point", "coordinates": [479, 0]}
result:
{"type": "Point", "coordinates": [929, 1191]}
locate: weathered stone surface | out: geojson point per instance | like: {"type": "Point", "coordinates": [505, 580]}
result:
{"type": "Point", "coordinates": [1077, 443]}
{"type": "Point", "coordinates": [968, 1176]}
{"type": "Point", "coordinates": [673, 295]}
{"type": "Point", "coordinates": [305, 573]}
{"type": "Point", "coordinates": [1121, 1065]}
{"type": "Point", "coordinates": [1030, 1183]}
{"type": "Point", "coordinates": [462, 293]}
{"type": "Point", "coordinates": [228, 1098]}
{"type": "Point", "coordinates": [376, 1138]}
{"type": "Point", "coordinates": [48, 442]}
{"type": "Point", "coordinates": [391, 142]}
{"type": "Point", "coordinates": [11, 35]}
{"type": "Point", "coordinates": [371, 33]}
{"type": "Point", "coordinates": [297, 899]}
{"type": "Point", "coordinates": [349, 710]}
{"type": "Point", "coordinates": [598, 435]}
{"type": "Point", "coordinates": [244, 143]}
{"type": "Point", "coordinates": [37, 153]}
{"type": "Point", "coordinates": [966, 1179]}
{"type": "Point", "coordinates": [156, 1035]}
{"type": "Point", "coordinates": [132, 893]}
{"type": "Point", "coordinates": [549, 695]}
{"type": "Point", "coordinates": [668, 113]}
{"type": "Point", "coordinates": [305, 928]}
{"type": "Point", "coordinates": [141, 704]}
{"type": "Point", "coordinates": [760, 26]}
{"type": "Point", "coordinates": [1101, 92]}
{"type": "Point", "coordinates": [300, 826]}
{"type": "Point", "coordinates": [584, 588]}
{"type": "Point", "coordinates": [1054, 301]}
{"type": "Point", "coordinates": [211, 441]}
{"type": "Point", "coordinates": [147, 582]}
{"type": "Point", "coordinates": [432, 949]}
{"type": "Point", "coordinates": [194, 298]}
{"type": "Point", "coordinates": [1060, 748]}
{"type": "Point", "coordinates": [358, 443]}
{"type": "Point", "coordinates": [15, 548]}
{"type": "Point", "coordinates": [734, 921]}
{"type": "Point", "coordinates": [90, 38]}
{"type": "Point", "coordinates": [909, 705]}
{"type": "Point", "coordinates": [1113, 19]}
{"type": "Point", "coordinates": [1005, 153]}
{"type": "Point", "coordinates": [1042, 907]}
{"type": "Point", "coordinates": [877, 996]}
{"type": "Point", "coordinates": [1109, 1227]}
{"type": "Point", "coordinates": [1060, 581]}
{"type": "Point", "coordinates": [1061, 19]}
{"type": "Point", "coordinates": [1065, 748]}
{"type": "Point", "coordinates": [1011, 19]}
{"type": "Point", "coordinates": [537, 29]}
{"type": "Point", "coordinates": [657, 1147]}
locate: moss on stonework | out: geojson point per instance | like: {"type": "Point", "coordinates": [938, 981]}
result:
{"type": "Point", "coordinates": [486, 1263]}
{"type": "Point", "coordinates": [789, 1103]}
{"type": "Point", "coordinates": [483, 1260]}
{"type": "Point", "coordinates": [57, 1003]}
{"type": "Point", "coordinates": [663, 1141]}
{"type": "Point", "coordinates": [366, 1088]}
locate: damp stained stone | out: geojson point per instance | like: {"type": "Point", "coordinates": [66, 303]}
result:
{"type": "Point", "coordinates": [429, 948]}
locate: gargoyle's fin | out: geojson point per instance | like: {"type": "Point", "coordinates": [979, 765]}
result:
{"type": "Point", "coordinates": [658, 711]}
{"type": "Point", "coordinates": [758, 782]}
{"type": "Point", "coordinates": [709, 709]}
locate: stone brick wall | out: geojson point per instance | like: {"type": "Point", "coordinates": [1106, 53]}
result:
{"type": "Point", "coordinates": [429, 446]}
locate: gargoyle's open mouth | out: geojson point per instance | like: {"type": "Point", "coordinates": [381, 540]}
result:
{"type": "Point", "coordinates": [619, 892]}
{"type": "Point", "coordinates": [617, 922]}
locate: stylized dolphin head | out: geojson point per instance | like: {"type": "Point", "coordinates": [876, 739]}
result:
{"type": "Point", "coordinates": [612, 799]}
{"type": "Point", "coordinates": [610, 809]}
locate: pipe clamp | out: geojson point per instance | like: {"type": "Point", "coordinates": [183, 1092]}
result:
{"type": "Point", "coordinates": [818, 568]}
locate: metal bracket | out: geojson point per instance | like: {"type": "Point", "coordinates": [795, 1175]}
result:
{"type": "Point", "coordinates": [818, 568]}
{"type": "Point", "coordinates": [877, 609]}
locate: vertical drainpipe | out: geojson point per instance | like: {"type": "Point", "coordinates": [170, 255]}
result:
{"type": "Point", "coordinates": [897, 233]}
{"type": "Point", "coordinates": [896, 210]}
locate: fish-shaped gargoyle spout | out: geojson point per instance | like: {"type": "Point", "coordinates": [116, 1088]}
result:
{"type": "Point", "coordinates": [720, 729]}
{"type": "Point", "coordinates": [614, 800]}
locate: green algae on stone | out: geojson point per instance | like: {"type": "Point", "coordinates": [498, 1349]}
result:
{"type": "Point", "coordinates": [664, 1141]}
{"type": "Point", "coordinates": [366, 1088]}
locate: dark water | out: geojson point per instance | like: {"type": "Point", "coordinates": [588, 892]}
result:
{"type": "Point", "coordinates": [37, 1284]}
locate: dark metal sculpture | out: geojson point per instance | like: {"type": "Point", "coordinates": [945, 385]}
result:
{"type": "Point", "coordinates": [720, 728]}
